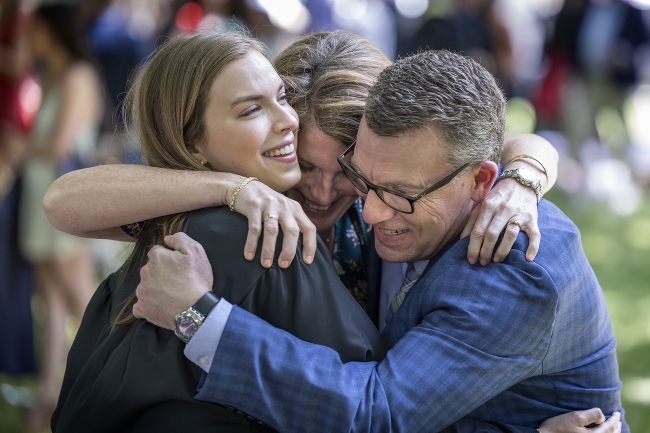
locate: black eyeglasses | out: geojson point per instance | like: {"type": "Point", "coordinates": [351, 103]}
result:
{"type": "Point", "coordinates": [393, 199]}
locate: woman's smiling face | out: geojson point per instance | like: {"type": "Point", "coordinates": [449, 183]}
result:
{"type": "Point", "coordinates": [249, 126]}
{"type": "Point", "coordinates": [324, 192]}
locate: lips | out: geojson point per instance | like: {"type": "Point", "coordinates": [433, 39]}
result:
{"type": "Point", "coordinates": [391, 232]}
{"type": "Point", "coordinates": [282, 151]}
{"type": "Point", "coordinates": [313, 206]}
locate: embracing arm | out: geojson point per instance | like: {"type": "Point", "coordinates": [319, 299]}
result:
{"type": "Point", "coordinates": [96, 201]}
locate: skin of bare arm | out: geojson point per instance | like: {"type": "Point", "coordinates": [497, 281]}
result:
{"type": "Point", "coordinates": [98, 200]}
{"type": "Point", "coordinates": [79, 203]}
{"type": "Point", "coordinates": [509, 199]}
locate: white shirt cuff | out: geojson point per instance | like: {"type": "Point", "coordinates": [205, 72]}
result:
{"type": "Point", "coordinates": [203, 345]}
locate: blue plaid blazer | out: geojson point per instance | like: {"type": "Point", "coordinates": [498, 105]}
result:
{"type": "Point", "coordinates": [515, 342]}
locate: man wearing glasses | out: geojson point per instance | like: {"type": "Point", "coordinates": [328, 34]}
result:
{"type": "Point", "coordinates": [515, 342]}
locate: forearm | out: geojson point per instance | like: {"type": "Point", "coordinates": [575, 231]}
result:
{"type": "Point", "coordinates": [540, 149]}
{"type": "Point", "coordinates": [88, 201]}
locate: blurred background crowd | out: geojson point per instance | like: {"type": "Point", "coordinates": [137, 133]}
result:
{"type": "Point", "coordinates": [575, 71]}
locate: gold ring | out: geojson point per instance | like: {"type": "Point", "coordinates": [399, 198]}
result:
{"type": "Point", "coordinates": [269, 216]}
{"type": "Point", "coordinates": [515, 221]}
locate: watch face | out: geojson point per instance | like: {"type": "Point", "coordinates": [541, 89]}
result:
{"type": "Point", "coordinates": [527, 174]}
{"type": "Point", "coordinates": [186, 326]}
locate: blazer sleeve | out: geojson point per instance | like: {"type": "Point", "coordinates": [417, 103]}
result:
{"type": "Point", "coordinates": [475, 339]}
{"type": "Point", "coordinates": [308, 301]}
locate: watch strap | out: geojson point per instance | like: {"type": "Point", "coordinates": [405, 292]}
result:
{"type": "Point", "coordinates": [206, 303]}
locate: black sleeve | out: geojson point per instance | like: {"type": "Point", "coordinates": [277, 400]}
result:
{"type": "Point", "coordinates": [94, 326]}
{"type": "Point", "coordinates": [471, 425]}
{"type": "Point", "coordinates": [308, 301]}
{"type": "Point", "coordinates": [132, 229]}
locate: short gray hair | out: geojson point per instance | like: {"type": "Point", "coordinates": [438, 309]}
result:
{"type": "Point", "coordinates": [448, 92]}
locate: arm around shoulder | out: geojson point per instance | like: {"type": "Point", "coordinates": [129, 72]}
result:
{"type": "Point", "coordinates": [93, 201]}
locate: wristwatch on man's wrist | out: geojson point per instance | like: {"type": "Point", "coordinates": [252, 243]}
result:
{"type": "Point", "coordinates": [188, 322]}
{"type": "Point", "coordinates": [525, 177]}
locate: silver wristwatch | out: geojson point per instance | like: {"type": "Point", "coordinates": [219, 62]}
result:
{"type": "Point", "coordinates": [188, 322]}
{"type": "Point", "coordinates": [525, 177]}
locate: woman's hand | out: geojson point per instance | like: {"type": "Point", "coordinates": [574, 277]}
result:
{"type": "Point", "coordinates": [268, 211]}
{"type": "Point", "coordinates": [507, 202]}
{"type": "Point", "coordinates": [575, 422]}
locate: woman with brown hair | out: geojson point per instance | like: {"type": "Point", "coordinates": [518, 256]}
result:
{"type": "Point", "coordinates": [205, 102]}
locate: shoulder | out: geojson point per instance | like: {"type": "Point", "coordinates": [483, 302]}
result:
{"type": "Point", "coordinates": [500, 294]}
{"type": "Point", "coordinates": [560, 250]}
{"type": "Point", "coordinates": [514, 280]}
{"type": "Point", "coordinates": [216, 222]}
{"type": "Point", "coordinates": [222, 234]}
{"type": "Point", "coordinates": [560, 253]}
{"type": "Point", "coordinates": [81, 70]}
{"type": "Point", "coordinates": [500, 308]}
{"type": "Point", "coordinates": [82, 75]}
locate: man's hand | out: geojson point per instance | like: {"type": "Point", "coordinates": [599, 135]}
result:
{"type": "Point", "coordinates": [172, 280]}
{"type": "Point", "coordinates": [576, 422]}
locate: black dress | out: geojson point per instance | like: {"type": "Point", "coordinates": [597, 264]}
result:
{"type": "Point", "coordinates": [136, 378]}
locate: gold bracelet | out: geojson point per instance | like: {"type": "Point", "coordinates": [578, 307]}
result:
{"type": "Point", "coordinates": [534, 159]}
{"type": "Point", "coordinates": [231, 205]}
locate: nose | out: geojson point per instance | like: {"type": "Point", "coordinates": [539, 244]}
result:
{"type": "Point", "coordinates": [322, 189]}
{"type": "Point", "coordinates": [285, 120]}
{"type": "Point", "coordinates": [375, 211]}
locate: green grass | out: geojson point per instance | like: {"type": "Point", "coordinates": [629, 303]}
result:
{"type": "Point", "coordinates": [619, 251]}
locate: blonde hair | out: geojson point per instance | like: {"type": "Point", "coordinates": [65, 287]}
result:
{"type": "Point", "coordinates": [327, 77]}
{"type": "Point", "coordinates": [165, 108]}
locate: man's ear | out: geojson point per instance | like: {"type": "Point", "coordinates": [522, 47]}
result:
{"type": "Point", "coordinates": [484, 176]}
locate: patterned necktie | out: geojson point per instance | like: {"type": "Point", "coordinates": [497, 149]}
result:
{"type": "Point", "coordinates": [410, 279]}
